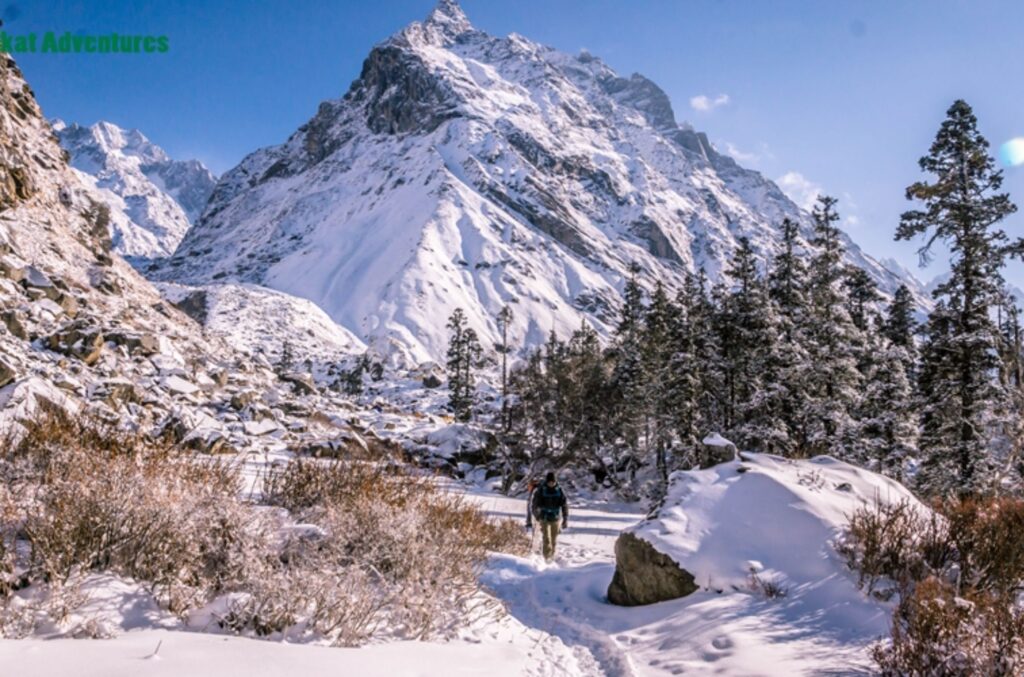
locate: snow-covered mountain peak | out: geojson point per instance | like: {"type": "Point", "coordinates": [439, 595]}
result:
{"type": "Point", "coordinates": [467, 170]}
{"type": "Point", "coordinates": [449, 17]}
{"type": "Point", "coordinates": [153, 199]}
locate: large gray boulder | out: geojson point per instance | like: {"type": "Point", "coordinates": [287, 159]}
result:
{"type": "Point", "coordinates": [645, 576]}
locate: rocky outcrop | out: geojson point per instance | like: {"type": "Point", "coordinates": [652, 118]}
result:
{"type": "Point", "coordinates": [302, 383]}
{"type": "Point", "coordinates": [194, 305]}
{"type": "Point", "coordinates": [645, 576]}
{"type": "Point", "coordinates": [78, 340]}
{"type": "Point", "coordinates": [7, 373]}
{"type": "Point", "coordinates": [401, 94]}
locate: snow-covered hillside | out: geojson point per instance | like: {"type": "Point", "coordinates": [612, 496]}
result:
{"type": "Point", "coordinates": [473, 171]}
{"type": "Point", "coordinates": [256, 320]}
{"type": "Point", "coordinates": [153, 199]}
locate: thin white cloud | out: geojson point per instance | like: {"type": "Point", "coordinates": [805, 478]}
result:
{"type": "Point", "coordinates": [800, 189]}
{"type": "Point", "coordinates": [740, 156]}
{"type": "Point", "coordinates": [705, 104]}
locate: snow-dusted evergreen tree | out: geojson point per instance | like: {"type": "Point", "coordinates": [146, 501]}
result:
{"type": "Point", "coordinates": [628, 404]}
{"type": "Point", "coordinates": [585, 412]}
{"type": "Point", "coordinates": [1012, 380]}
{"type": "Point", "coordinates": [748, 341]}
{"type": "Point", "coordinates": [900, 327]}
{"type": "Point", "coordinates": [789, 364]}
{"type": "Point", "coordinates": [463, 354]}
{"type": "Point", "coordinates": [688, 381]}
{"type": "Point", "coordinates": [833, 377]}
{"type": "Point", "coordinates": [862, 295]}
{"type": "Point", "coordinates": [504, 320]}
{"type": "Point", "coordinates": [963, 398]}
{"type": "Point", "coordinates": [886, 431]}
{"type": "Point", "coordinates": [658, 338]}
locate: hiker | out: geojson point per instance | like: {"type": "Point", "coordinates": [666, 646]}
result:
{"type": "Point", "coordinates": [547, 502]}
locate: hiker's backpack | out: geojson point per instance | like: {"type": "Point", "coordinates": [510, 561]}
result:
{"type": "Point", "coordinates": [550, 502]}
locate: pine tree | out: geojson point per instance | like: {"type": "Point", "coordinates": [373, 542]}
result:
{"type": "Point", "coordinates": [787, 281]}
{"type": "Point", "coordinates": [900, 326]}
{"type": "Point", "coordinates": [504, 320]}
{"type": "Point", "coordinates": [749, 343]}
{"type": "Point", "coordinates": [688, 381]}
{"type": "Point", "coordinates": [1012, 381]}
{"type": "Point", "coordinates": [287, 360]}
{"type": "Point", "coordinates": [657, 348]}
{"type": "Point", "coordinates": [789, 364]}
{"type": "Point", "coordinates": [886, 419]}
{"type": "Point", "coordinates": [463, 354]}
{"type": "Point", "coordinates": [833, 377]}
{"type": "Point", "coordinates": [961, 208]}
{"type": "Point", "coordinates": [629, 400]}
{"type": "Point", "coordinates": [862, 294]}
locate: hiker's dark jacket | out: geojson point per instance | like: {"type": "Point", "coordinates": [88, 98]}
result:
{"type": "Point", "coordinates": [549, 502]}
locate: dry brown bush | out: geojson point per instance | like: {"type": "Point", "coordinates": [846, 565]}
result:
{"type": "Point", "coordinates": [988, 537]}
{"type": "Point", "coordinates": [959, 573]}
{"type": "Point", "coordinates": [94, 498]}
{"type": "Point", "coordinates": [426, 545]}
{"type": "Point", "coordinates": [894, 541]}
{"type": "Point", "coordinates": [388, 548]}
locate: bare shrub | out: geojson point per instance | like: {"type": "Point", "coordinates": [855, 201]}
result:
{"type": "Point", "coordinates": [894, 541]}
{"type": "Point", "coordinates": [960, 576]}
{"type": "Point", "coordinates": [988, 537]}
{"type": "Point", "coordinates": [377, 546]}
{"type": "Point", "coordinates": [298, 601]}
{"type": "Point", "coordinates": [95, 498]}
{"type": "Point", "coordinates": [424, 545]}
{"type": "Point", "coordinates": [770, 588]}
{"type": "Point", "coordinates": [941, 633]}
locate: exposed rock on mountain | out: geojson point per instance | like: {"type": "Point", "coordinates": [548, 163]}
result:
{"type": "Point", "coordinates": [153, 199]}
{"type": "Point", "coordinates": [81, 330]}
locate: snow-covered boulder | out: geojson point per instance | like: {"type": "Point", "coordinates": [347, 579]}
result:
{"type": "Point", "coordinates": [716, 449]}
{"type": "Point", "coordinates": [781, 514]}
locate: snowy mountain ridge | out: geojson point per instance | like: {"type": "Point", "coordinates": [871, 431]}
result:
{"type": "Point", "coordinates": [153, 199]}
{"type": "Point", "coordinates": [473, 171]}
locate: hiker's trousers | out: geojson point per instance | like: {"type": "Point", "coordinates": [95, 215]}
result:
{"type": "Point", "coordinates": [549, 530]}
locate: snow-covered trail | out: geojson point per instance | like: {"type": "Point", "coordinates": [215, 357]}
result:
{"type": "Point", "coordinates": [736, 633]}
{"type": "Point", "coordinates": [565, 600]}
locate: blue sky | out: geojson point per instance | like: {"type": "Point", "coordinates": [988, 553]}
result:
{"type": "Point", "coordinates": [844, 96]}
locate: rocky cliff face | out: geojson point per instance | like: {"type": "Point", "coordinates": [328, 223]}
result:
{"type": "Point", "coordinates": [473, 171]}
{"type": "Point", "coordinates": [153, 199]}
{"type": "Point", "coordinates": [80, 329]}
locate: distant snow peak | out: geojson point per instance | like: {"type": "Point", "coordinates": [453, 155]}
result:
{"type": "Point", "coordinates": [153, 199]}
{"type": "Point", "coordinates": [464, 170]}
